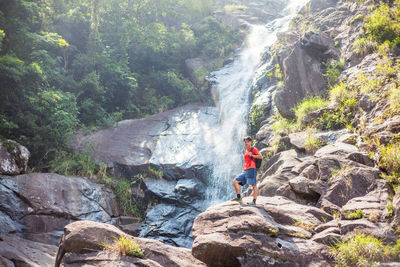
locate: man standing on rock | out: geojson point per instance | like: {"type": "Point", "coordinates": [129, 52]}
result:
{"type": "Point", "coordinates": [249, 171]}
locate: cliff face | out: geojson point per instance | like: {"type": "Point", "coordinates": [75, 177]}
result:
{"type": "Point", "coordinates": [330, 174]}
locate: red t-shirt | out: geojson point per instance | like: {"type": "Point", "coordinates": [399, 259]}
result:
{"type": "Point", "coordinates": [249, 162]}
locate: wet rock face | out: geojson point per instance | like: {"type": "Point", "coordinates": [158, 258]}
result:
{"type": "Point", "coordinates": [231, 234]}
{"type": "Point", "coordinates": [13, 158]}
{"type": "Point", "coordinates": [80, 245]}
{"type": "Point", "coordinates": [171, 221]}
{"type": "Point", "coordinates": [38, 206]}
{"type": "Point", "coordinates": [169, 140]}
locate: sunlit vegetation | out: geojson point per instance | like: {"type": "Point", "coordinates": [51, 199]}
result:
{"type": "Point", "coordinates": [358, 214]}
{"type": "Point", "coordinates": [87, 64]}
{"type": "Point", "coordinates": [312, 144]}
{"type": "Point", "coordinates": [125, 246]}
{"type": "Point", "coordinates": [381, 28]}
{"type": "Point", "coordinates": [84, 165]}
{"type": "Point", "coordinates": [364, 250]}
{"type": "Point", "coordinates": [306, 107]}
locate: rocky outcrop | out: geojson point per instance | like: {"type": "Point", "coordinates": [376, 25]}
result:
{"type": "Point", "coordinates": [167, 142]}
{"type": "Point", "coordinates": [303, 62]}
{"type": "Point", "coordinates": [276, 232]}
{"type": "Point", "coordinates": [13, 158]}
{"type": "Point", "coordinates": [164, 140]}
{"type": "Point", "coordinates": [38, 206]}
{"type": "Point", "coordinates": [15, 251]}
{"type": "Point", "coordinates": [80, 244]}
{"type": "Point", "coordinates": [171, 221]}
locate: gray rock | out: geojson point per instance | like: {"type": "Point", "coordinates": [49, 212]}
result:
{"type": "Point", "coordinates": [22, 252]}
{"type": "Point", "coordinates": [352, 183]}
{"type": "Point", "coordinates": [310, 172]}
{"type": "Point", "coordinates": [329, 236]}
{"type": "Point", "coordinates": [13, 158]}
{"type": "Point", "coordinates": [303, 71]}
{"type": "Point", "coordinates": [372, 204]}
{"type": "Point", "coordinates": [163, 140]}
{"type": "Point", "coordinates": [301, 185]}
{"type": "Point", "coordinates": [396, 207]}
{"type": "Point", "coordinates": [229, 233]}
{"type": "Point", "coordinates": [40, 205]}
{"type": "Point", "coordinates": [84, 237]}
{"type": "Point", "coordinates": [170, 224]}
{"type": "Point", "coordinates": [336, 149]}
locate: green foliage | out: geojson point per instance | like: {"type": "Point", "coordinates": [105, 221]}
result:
{"type": "Point", "coordinates": [122, 189]}
{"type": "Point", "coordinates": [360, 250]}
{"type": "Point", "coordinates": [70, 64]}
{"type": "Point", "coordinates": [312, 144]}
{"type": "Point", "coordinates": [257, 114]}
{"type": "Point", "coordinates": [83, 165]}
{"type": "Point", "coordinates": [333, 71]}
{"type": "Point", "coordinates": [356, 19]}
{"type": "Point", "coordinates": [125, 246]}
{"type": "Point", "coordinates": [389, 159]}
{"type": "Point", "coordinates": [154, 173]}
{"type": "Point", "coordinates": [358, 214]}
{"type": "Point", "coordinates": [307, 106]}
{"type": "Point", "coordinates": [215, 39]}
{"type": "Point", "coordinates": [283, 126]}
{"type": "Point", "coordinates": [381, 28]}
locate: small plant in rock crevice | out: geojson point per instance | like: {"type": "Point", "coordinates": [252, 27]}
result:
{"type": "Point", "coordinates": [358, 214]}
{"type": "Point", "coordinates": [125, 246]}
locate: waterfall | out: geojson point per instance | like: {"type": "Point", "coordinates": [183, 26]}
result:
{"type": "Point", "coordinates": [210, 138]}
{"type": "Point", "coordinates": [233, 85]}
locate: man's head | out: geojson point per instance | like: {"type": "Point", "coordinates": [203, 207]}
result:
{"type": "Point", "coordinates": [248, 141]}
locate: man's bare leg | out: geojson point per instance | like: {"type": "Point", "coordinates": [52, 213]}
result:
{"type": "Point", "coordinates": [254, 193]}
{"type": "Point", "coordinates": [236, 186]}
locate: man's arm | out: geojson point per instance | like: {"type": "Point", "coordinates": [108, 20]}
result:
{"type": "Point", "coordinates": [256, 156]}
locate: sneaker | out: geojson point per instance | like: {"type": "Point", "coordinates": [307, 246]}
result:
{"type": "Point", "coordinates": [251, 203]}
{"type": "Point", "coordinates": [237, 200]}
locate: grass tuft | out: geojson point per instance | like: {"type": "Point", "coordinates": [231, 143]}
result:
{"type": "Point", "coordinates": [360, 250]}
{"type": "Point", "coordinates": [125, 246]}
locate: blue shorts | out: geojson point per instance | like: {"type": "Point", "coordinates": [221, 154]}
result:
{"type": "Point", "coordinates": [247, 177]}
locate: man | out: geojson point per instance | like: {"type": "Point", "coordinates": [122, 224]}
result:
{"type": "Point", "coordinates": [249, 171]}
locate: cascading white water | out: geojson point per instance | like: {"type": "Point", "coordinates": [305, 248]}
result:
{"type": "Point", "coordinates": [233, 87]}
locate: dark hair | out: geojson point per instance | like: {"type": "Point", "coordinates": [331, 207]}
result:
{"type": "Point", "coordinates": [248, 138]}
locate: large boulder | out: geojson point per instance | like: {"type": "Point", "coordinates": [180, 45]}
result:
{"type": "Point", "coordinates": [166, 140]}
{"type": "Point", "coordinates": [81, 242]}
{"type": "Point", "coordinates": [349, 184]}
{"type": "Point", "coordinates": [231, 234]}
{"type": "Point", "coordinates": [15, 251]}
{"type": "Point", "coordinates": [13, 157]}
{"type": "Point", "coordinates": [38, 206]}
{"type": "Point", "coordinates": [303, 70]}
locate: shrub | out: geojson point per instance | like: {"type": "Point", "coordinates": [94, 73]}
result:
{"type": "Point", "coordinates": [307, 106]}
{"type": "Point", "coordinates": [354, 215]}
{"type": "Point", "coordinates": [312, 144]}
{"type": "Point", "coordinates": [389, 158]}
{"type": "Point", "coordinates": [154, 173]}
{"type": "Point", "coordinates": [360, 250]}
{"type": "Point", "coordinates": [123, 192]}
{"type": "Point", "coordinates": [126, 246]}
{"type": "Point", "coordinates": [283, 126]}
{"type": "Point", "coordinates": [394, 100]}
{"type": "Point", "coordinates": [71, 164]}
{"type": "Point", "coordinates": [333, 70]}
{"type": "Point", "coordinates": [364, 46]}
